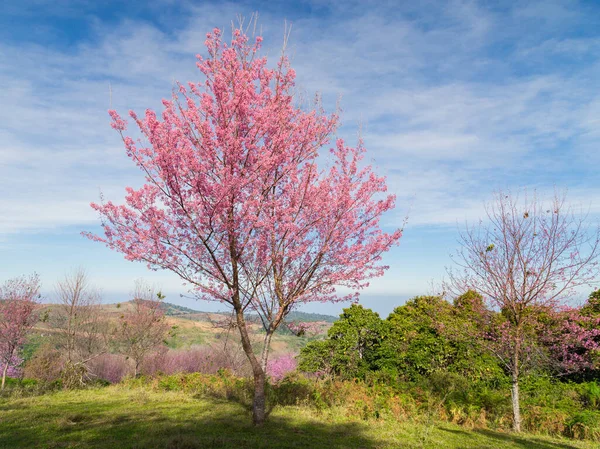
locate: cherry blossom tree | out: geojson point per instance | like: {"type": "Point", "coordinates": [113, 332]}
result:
{"type": "Point", "coordinates": [143, 327]}
{"type": "Point", "coordinates": [236, 204]}
{"type": "Point", "coordinates": [18, 300]}
{"type": "Point", "coordinates": [527, 260]}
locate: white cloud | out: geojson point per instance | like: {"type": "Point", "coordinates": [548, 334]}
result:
{"type": "Point", "coordinates": [446, 116]}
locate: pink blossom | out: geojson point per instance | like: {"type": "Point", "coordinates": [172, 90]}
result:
{"type": "Point", "coordinates": [279, 366]}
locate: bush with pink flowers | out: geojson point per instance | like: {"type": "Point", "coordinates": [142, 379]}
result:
{"type": "Point", "coordinates": [281, 365]}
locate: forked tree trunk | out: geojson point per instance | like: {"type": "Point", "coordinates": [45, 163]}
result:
{"type": "Point", "coordinates": [259, 404]}
{"type": "Point", "coordinates": [4, 371]}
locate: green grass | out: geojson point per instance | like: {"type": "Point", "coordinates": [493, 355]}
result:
{"type": "Point", "coordinates": [121, 417]}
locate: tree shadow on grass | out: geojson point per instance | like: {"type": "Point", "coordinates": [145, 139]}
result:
{"type": "Point", "coordinates": [211, 424]}
{"type": "Point", "coordinates": [515, 439]}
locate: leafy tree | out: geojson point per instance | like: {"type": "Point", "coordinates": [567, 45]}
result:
{"type": "Point", "coordinates": [426, 336]}
{"type": "Point", "coordinates": [591, 307]}
{"type": "Point", "coordinates": [525, 260]}
{"type": "Point", "coordinates": [18, 300]}
{"type": "Point", "coordinates": [351, 348]}
{"type": "Point", "coordinates": [236, 204]}
{"type": "Point", "coordinates": [414, 345]}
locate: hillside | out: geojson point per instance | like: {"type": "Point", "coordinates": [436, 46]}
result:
{"type": "Point", "coordinates": [192, 327]}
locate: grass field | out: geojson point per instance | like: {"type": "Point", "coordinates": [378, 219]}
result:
{"type": "Point", "coordinates": [122, 417]}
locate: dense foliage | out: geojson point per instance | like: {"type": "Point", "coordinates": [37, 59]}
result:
{"type": "Point", "coordinates": [444, 351]}
{"type": "Point", "coordinates": [416, 340]}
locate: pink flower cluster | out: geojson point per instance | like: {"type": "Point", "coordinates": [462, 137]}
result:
{"type": "Point", "coordinates": [279, 366]}
{"type": "Point", "coordinates": [14, 367]}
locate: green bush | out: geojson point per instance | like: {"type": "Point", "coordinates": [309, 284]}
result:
{"type": "Point", "coordinates": [590, 393]}
{"type": "Point", "coordinates": [29, 387]}
{"type": "Point", "coordinates": [585, 425]}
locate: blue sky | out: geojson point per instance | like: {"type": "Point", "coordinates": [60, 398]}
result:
{"type": "Point", "coordinates": [454, 99]}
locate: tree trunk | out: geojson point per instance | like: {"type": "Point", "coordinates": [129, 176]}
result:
{"type": "Point", "coordinates": [514, 391]}
{"type": "Point", "coordinates": [259, 404]}
{"type": "Point", "coordinates": [4, 371]}
{"type": "Point", "coordinates": [515, 405]}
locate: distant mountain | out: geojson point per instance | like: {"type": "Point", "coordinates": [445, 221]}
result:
{"type": "Point", "coordinates": [175, 310]}
{"type": "Point", "coordinates": [308, 317]}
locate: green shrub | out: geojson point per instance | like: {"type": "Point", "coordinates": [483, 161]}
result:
{"type": "Point", "coordinates": [585, 425]}
{"type": "Point", "coordinates": [591, 394]}
{"type": "Point", "coordinates": [293, 389]}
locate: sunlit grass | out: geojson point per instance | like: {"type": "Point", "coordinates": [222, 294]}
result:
{"type": "Point", "coordinates": [119, 417]}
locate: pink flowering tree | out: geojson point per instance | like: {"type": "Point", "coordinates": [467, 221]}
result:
{"type": "Point", "coordinates": [18, 300]}
{"type": "Point", "coordinates": [573, 341]}
{"type": "Point", "coordinates": [526, 260]}
{"type": "Point", "coordinates": [236, 204]}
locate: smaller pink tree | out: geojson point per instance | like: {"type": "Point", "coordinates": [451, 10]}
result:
{"type": "Point", "coordinates": [18, 299]}
{"type": "Point", "coordinates": [143, 327]}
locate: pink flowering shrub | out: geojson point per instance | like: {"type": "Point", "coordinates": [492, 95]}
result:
{"type": "Point", "coordinates": [278, 367]}
{"type": "Point", "coordinates": [198, 359]}
{"type": "Point", "coordinates": [110, 367]}
{"type": "Point", "coordinates": [573, 340]}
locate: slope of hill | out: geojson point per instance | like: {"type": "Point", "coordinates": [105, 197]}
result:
{"type": "Point", "coordinates": [173, 309]}
{"type": "Point", "coordinates": [191, 327]}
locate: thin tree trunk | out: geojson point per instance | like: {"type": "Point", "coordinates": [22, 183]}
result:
{"type": "Point", "coordinates": [516, 404]}
{"type": "Point", "coordinates": [265, 353]}
{"type": "Point", "coordinates": [4, 371]}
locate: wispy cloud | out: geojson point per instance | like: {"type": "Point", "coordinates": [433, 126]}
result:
{"type": "Point", "coordinates": [450, 102]}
